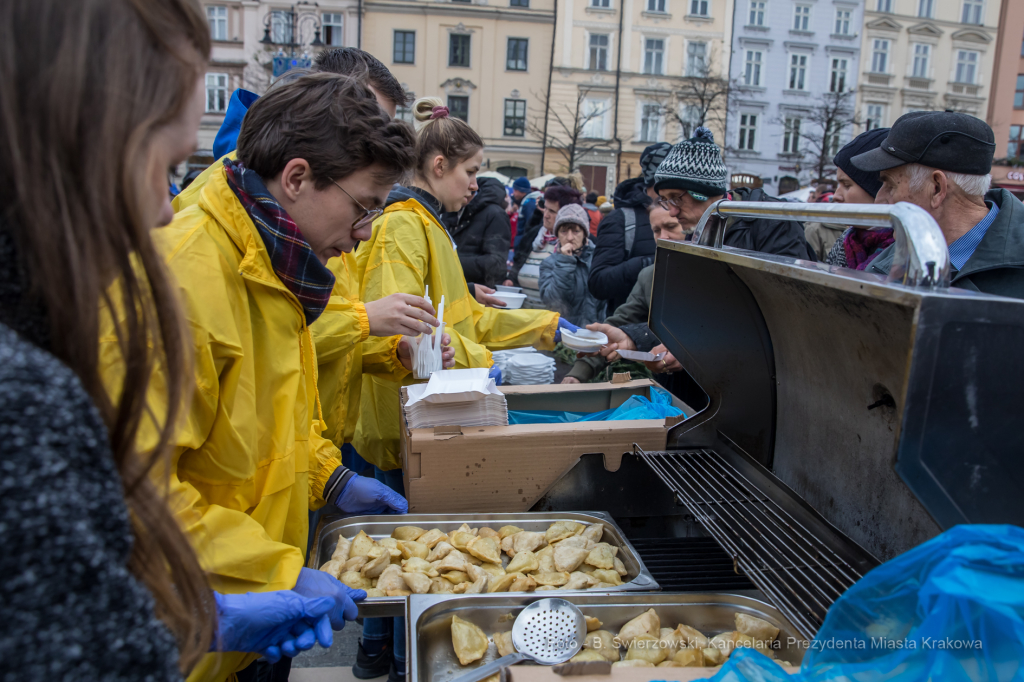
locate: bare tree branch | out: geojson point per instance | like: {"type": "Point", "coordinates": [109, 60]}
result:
{"type": "Point", "coordinates": [701, 98]}
{"type": "Point", "coordinates": [820, 130]}
{"type": "Point", "coordinates": [568, 123]}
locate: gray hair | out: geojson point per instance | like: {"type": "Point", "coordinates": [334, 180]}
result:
{"type": "Point", "coordinates": [971, 185]}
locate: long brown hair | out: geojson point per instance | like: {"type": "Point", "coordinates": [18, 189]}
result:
{"type": "Point", "coordinates": [83, 86]}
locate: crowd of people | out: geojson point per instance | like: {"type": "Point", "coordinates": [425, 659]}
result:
{"type": "Point", "coordinates": [178, 404]}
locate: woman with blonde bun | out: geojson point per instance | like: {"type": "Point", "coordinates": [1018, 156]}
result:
{"type": "Point", "coordinates": [410, 249]}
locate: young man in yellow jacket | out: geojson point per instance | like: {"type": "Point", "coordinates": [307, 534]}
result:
{"type": "Point", "coordinates": [316, 160]}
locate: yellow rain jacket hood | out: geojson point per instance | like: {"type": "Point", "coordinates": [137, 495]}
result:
{"type": "Point", "coordinates": [249, 461]}
{"type": "Point", "coordinates": [410, 249]}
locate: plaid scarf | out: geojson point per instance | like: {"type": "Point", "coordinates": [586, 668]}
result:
{"type": "Point", "coordinates": [293, 260]}
{"type": "Point", "coordinates": [862, 246]}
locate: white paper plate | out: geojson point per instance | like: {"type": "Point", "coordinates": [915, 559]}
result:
{"type": "Point", "coordinates": [584, 340]}
{"type": "Point", "coordinates": [530, 360]}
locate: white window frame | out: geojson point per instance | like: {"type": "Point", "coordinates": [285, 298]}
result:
{"type": "Point", "coordinates": [217, 82]}
{"type": "Point", "coordinates": [799, 64]}
{"type": "Point", "coordinates": [692, 65]}
{"type": "Point", "coordinates": [842, 25]}
{"type": "Point", "coordinates": [601, 121]}
{"type": "Point", "coordinates": [505, 116]}
{"type": "Point", "coordinates": [748, 131]}
{"type": "Point", "coordinates": [975, 7]}
{"type": "Point", "coordinates": [874, 121]}
{"type": "Point", "coordinates": [656, 6]}
{"type": "Point", "coordinates": [590, 47]}
{"type": "Point", "coordinates": [839, 71]}
{"type": "Point", "coordinates": [964, 63]}
{"type": "Point", "coordinates": [656, 67]}
{"type": "Point", "coordinates": [336, 21]}
{"type": "Point", "coordinates": [700, 8]}
{"type": "Point", "coordinates": [926, 9]}
{"type": "Point", "coordinates": [791, 135]}
{"type": "Point", "coordinates": [217, 19]}
{"type": "Point", "coordinates": [651, 119]}
{"type": "Point", "coordinates": [922, 57]}
{"type": "Point", "coordinates": [801, 17]}
{"type": "Point", "coordinates": [601, 4]}
{"type": "Point", "coordinates": [756, 16]}
{"type": "Point", "coordinates": [880, 48]}
{"type": "Point", "coordinates": [884, 6]}
{"type": "Point", "coordinates": [752, 68]}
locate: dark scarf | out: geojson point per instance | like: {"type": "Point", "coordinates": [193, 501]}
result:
{"type": "Point", "coordinates": [293, 260]}
{"type": "Point", "coordinates": [863, 246]}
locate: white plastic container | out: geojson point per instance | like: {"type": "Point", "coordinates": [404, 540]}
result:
{"type": "Point", "coordinates": [512, 301]}
{"type": "Point", "coordinates": [510, 290]}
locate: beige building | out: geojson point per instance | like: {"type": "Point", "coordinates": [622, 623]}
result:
{"type": "Point", "coordinates": [487, 59]}
{"type": "Point", "coordinates": [249, 35]}
{"type": "Point", "coordinates": [622, 65]}
{"type": "Point", "coordinates": [919, 55]}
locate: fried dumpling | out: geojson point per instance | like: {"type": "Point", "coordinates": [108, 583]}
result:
{"type": "Point", "coordinates": [391, 579]}
{"type": "Point", "coordinates": [356, 563]}
{"type": "Point", "coordinates": [546, 563]}
{"type": "Point", "coordinates": [440, 586]}
{"type": "Point", "coordinates": [486, 532]}
{"type": "Point", "coordinates": [604, 576]}
{"type": "Point", "coordinates": [342, 550]}
{"type": "Point", "coordinates": [576, 541]}
{"type": "Point", "coordinates": [592, 623]}
{"type": "Point", "coordinates": [602, 556]}
{"type": "Point", "coordinates": [355, 580]}
{"type": "Point", "coordinates": [506, 531]}
{"type": "Point", "coordinates": [377, 566]}
{"type": "Point", "coordinates": [559, 530]}
{"type": "Point", "coordinates": [669, 664]}
{"type": "Point", "coordinates": [456, 577]}
{"type": "Point", "coordinates": [693, 637]}
{"type": "Point", "coordinates": [568, 558]}
{"type": "Point", "coordinates": [375, 592]}
{"type": "Point", "coordinates": [620, 567]}
{"type": "Point", "coordinates": [604, 643]}
{"type": "Point", "coordinates": [333, 568]}
{"type": "Point", "coordinates": [494, 570]}
{"type": "Point", "coordinates": [553, 579]}
{"type": "Point", "coordinates": [523, 583]}
{"type": "Point", "coordinates": [464, 528]}
{"type": "Point", "coordinates": [647, 623]}
{"type": "Point", "coordinates": [523, 562]}
{"type": "Point", "coordinates": [361, 545]}
{"type": "Point", "coordinates": [454, 561]}
{"type": "Point", "coordinates": [391, 545]}
{"type": "Point", "coordinates": [671, 640]}
{"type": "Point", "coordinates": [508, 545]}
{"type": "Point", "coordinates": [689, 657]}
{"type": "Point", "coordinates": [580, 581]}
{"type": "Point", "coordinates": [479, 578]}
{"type": "Point", "coordinates": [407, 533]}
{"type": "Point", "coordinates": [501, 583]}
{"type": "Point", "coordinates": [469, 641]}
{"type": "Point", "coordinates": [760, 630]}
{"type": "Point", "coordinates": [646, 648]}
{"type": "Point", "coordinates": [713, 656]}
{"type": "Point", "coordinates": [725, 642]}
{"type": "Point", "coordinates": [417, 582]}
{"type": "Point", "coordinates": [431, 538]}
{"type": "Point", "coordinates": [416, 565]}
{"type": "Point", "coordinates": [527, 541]}
{"type": "Point", "coordinates": [594, 532]}
{"type": "Point", "coordinates": [460, 539]}
{"type": "Point", "coordinates": [503, 640]}
{"type": "Point", "coordinates": [461, 587]}
{"type": "Point", "coordinates": [485, 549]}
{"type": "Point", "coordinates": [440, 551]}
{"type": "Point", "coordinates": [587, 655]}
{"type": "Point", "coordinates": [411, 548]}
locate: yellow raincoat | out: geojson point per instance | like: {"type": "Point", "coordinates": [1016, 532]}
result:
{"type": "Point", "coordinates": [249, 461]}
{"type": "Point", "coordinates": [408, 250]}
{"type": "Point", "coordinates": [338, 334]}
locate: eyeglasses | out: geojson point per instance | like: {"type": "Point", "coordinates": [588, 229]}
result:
{"type": "Point", "coordinates": [369, 214]}
{"type": "Point", "coordinates": [697, 196]}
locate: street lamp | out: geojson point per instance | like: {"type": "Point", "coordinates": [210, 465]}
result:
{"type": "Point", "coordinates": [303, 13]}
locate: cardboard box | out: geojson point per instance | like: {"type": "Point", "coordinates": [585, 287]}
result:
{"type": "Point", "coordinates": [508, 468]}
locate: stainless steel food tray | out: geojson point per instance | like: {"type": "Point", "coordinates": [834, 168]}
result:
{"type": "Point", "coordinates": [638, 578]}
{"type": "Point", "coordinates": [431, 657]}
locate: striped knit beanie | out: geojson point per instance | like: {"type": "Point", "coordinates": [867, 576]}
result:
{"type": "Point", "coordinates": [696, 165]}
{"type": "Point", "coordinates": [650, 159]}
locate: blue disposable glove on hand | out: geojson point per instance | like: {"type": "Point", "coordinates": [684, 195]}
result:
{"type": "Point", "coordinates": [495, 374]}
{"type": "Point", "coordinates": [363, 495]}
{"type": "Point", "coordinates": [313, 584]}
{"type": "Point", "coordinates": [564, 324]}
{"type": "Point", "coordinates": [272, 623]}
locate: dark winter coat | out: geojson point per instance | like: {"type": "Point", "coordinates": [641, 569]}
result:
{"type": "Point", "coordinates": [482, 232]}
{"type": "Point", "coordinates": [997, 265]}
{"type": "Point", "coordinates": [71, 609]}
{"type": "Point", "coordinates": [563, 287]}
{"type": "Point", "coordinates": [614, 272]}
{"type": "Point", "coordinates": [783, 238]}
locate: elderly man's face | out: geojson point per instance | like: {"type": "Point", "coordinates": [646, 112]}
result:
{"type": "Point", "coordinates": [896, 187]}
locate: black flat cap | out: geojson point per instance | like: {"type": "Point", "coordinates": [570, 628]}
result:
{"type": "Point", "coordinates": [946, 140]}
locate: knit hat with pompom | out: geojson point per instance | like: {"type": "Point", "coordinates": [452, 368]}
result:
{"type": "Point", "coordinates": [695, 164]}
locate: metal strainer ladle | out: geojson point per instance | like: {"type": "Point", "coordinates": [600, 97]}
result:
{"type": "Point", "coordinates": [548, 631]}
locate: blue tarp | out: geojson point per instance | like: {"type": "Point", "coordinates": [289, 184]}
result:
{"type": "Point", "coordinates": [636, 407]}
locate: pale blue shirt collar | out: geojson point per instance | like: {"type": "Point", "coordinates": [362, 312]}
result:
{"type": "Point", "coordinates": [964, 247]}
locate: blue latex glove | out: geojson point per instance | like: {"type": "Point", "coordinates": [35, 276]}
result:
{"type": "Point", "coordinates": [495, 374]}
{"type": "Point", "coordinates": [272, 623]}
{"type": "Point", "coordinates": [564, 324]}
{"type": "Point", "coordinates": [313, 584]}
{"type": "Point", "coordinates": [363, 495]}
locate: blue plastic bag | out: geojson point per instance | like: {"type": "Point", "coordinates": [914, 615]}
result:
{"type": "Point", "coordinates": [951, 609]}
{"type": "Point", "coordinates": [636, 407]}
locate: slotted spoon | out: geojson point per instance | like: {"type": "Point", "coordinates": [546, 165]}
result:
{"type": "Point", "coordinates": [548, 631]}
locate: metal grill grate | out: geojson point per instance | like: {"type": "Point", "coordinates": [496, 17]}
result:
{"type": "Point", "coordinates": [695, 564]}
{"type": "Point", "coordinates": [787, 562]}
